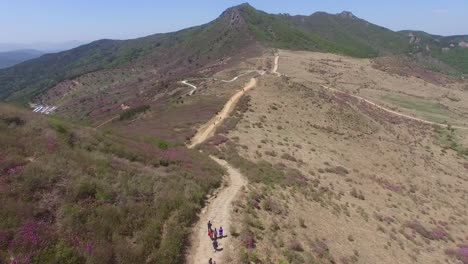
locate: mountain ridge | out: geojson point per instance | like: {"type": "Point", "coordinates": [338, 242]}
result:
{"type": "Point", "coordinates": [239, 29]}
{"type": "Point", "coordinates": [10, 58]}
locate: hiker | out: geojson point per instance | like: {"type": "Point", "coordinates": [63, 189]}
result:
{"type": "Point", "coordinates": [209, 224]}
{"type": "Point", "coordinates": [210, 261]}
{"type": "Point", "coordinates": [215, 233]}
{"type": "Point", "coordinates": [210, 233]}
{"type": "Point", "coordinates": [215, 245]}
{"type": "Point", "coordinates": [221, 231]}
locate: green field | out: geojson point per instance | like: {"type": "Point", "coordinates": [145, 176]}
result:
{"type": "Point", "coordinates": [423, 108]}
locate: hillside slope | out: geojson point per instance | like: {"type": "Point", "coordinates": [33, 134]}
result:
{"type": "Point", "coordinates": [451, 50]}
{"type": "Point", "coordinates": [336, 179]}
{"type": "Point", "coordinates": [175, 53]}
{"type": "Point", "coordinates": [70, 194]}
{"type": "Point", "coordinates": [10, 58]}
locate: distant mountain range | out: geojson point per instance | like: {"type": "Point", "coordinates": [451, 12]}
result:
{"type": "Point", "coordinates": [10, 58]}
{"type": "Point", "coordinates": [45, 47]}
{"type": "Point", "coordinates": [238, 31]}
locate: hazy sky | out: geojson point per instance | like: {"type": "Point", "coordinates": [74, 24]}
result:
{"type": "Point", "coordinates": [85, 20]}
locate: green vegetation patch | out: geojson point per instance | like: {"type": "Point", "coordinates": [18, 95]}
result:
{"type": "Point", "coordinates": [129, 113]}
{"type": "Point", "coordinates": [429, 110]}
{"type": "Point", "coordinates": [448, 138]}
{"type": "Point", "coordinates": [159, 143]}
{"type": "Point", "coordinates": [455, 57]}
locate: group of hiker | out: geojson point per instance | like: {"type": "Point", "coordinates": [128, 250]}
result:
{"type": "Point", "coordinates": [214, 235]}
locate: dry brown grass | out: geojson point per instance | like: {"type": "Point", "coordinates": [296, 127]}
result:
{"type": "Point", "coordinates": [375, 191]}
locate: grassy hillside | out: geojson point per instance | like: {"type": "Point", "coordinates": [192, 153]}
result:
{"type": "Point", "coordinates": [341, 33]}
{"type": "Point", "coordinates": [456, 57]}
{"type": "Point", "coordinates": [355, 36]}
{"type": "Point", "coordinates": [74, 195]}
{"type": "Point", "coordinates": [276, 31]}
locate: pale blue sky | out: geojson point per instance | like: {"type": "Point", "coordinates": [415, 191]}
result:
{"type": "Point", "coordinates": [85, 20]}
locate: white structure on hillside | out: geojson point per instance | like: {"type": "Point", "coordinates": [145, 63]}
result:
{"type": "Point", "coordinates": [44, 109]}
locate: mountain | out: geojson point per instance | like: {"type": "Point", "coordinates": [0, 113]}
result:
{"type": "Point", "coordinates": [452, 50]}
{"type": "Point", "coordinates": [176, 52]}
{"type": "Point", "coordinates": [342, 33]}
{"type": "Point", "coordinates": [11, 58]}
{"type": "Point", "coordinates": [46, 47]}
{"type": "Point", "coordinates": [239, 30]}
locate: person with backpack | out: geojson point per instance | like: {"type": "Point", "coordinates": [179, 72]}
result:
{"type": "Point", "coordinates": [210, 233]}
{"type": "Point", "coordinates": [221, 231]}
{"type": "Point", "coordinates": [215, 245]}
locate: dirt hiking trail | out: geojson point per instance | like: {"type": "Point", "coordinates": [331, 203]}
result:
{"type": "Point", "coordinates": [275, 66]}
{"type": "Point", "coordinates": [107, 121]}
{"type": "Point", "coordinates": [208, 129]}
{"type": "Point", "coordinates": [218, 212]}
{"type": "Point", "coordinates": [219, 207]}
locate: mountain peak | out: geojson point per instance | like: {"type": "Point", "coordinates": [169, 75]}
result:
{"type": "Point", "coordinates": [239, 8]}
{"type": "Point", "coordinates": [235, 13]}
{"type": "Point", "coordinates": [243, 5]}
{"type": "Point", "coordinates": [346, 14]}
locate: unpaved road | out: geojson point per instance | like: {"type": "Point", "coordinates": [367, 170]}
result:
{"type": "Point", "coordinates": [219, 207]}
{"type": "Point", "coordinates": [108, 121]}
{"type": "Point", "coordinates": [218, 212]}
{"type": "Point", "coordinates": [208, 129]}
{"type": "Point", "coordinates": [391, 111]}
{"type": "Point", "coordinates": [194, 88]}
{"type": "Point", "coordinates": [276, 65]}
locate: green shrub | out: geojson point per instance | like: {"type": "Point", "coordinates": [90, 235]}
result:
{"type": "Point", "coordinates": [58, 125]}
{"type": "Point", "coordinates": [127, 114]}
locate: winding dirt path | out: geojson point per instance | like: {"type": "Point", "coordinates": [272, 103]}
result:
{"type": "Point", "coordinates": [218, 212]}
{"type": "Point", "coordinates": [219, 208]}
{"type": "Point", "coordinates": [194, 88]}
{"type": "Point", "coordinates": [208, 129]}
{"type": "Point", "coordinates": [107, 121]}
{"type": "Point", "coordinates": [276, 65]}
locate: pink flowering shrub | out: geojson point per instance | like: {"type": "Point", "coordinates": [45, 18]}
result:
{"type": "Point", "coordinates": [5, 238]}
{"type": "Point", "coordinates": [27, 236]}
{"type": "Point", "coordinates": [20, 259]}
{"type": "Point", "coordinates": [461, 253]}
{"type": "Point", "coordinates": [321, 248]}
{"type": "Point", "coordinates": [248, 238]}
{"type": "Point", "coordinates": [438, 233]}
{"type": "Point", "coordinates": [13, 170]}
